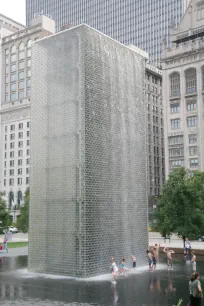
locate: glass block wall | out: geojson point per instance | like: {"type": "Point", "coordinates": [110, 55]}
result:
{"type": "Point", "coordinates": [88, 154]}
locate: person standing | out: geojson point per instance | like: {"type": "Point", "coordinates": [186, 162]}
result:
{"type": "Point", "coordinates": [191, 289]}
{"type": "Point", "coordinates": [150, 259]}
{"type": "Point", "coordinates": [114, 269]}
{"type": "Point", "coordinates": [5, 242]}
{"type": "Point", "coordinates": [197, 290]}
{"type": "Point", "coordinates": [187, 247]}
{"type": "Point", "coordinates": [193, 261]}
{"type": "Point", "coordinates": [133, 261]}
{"type": "Point", "coordinates": [169, 257]}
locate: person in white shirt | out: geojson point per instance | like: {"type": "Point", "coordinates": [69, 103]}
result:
{"type": "Point", "coordinates": [114, 269]}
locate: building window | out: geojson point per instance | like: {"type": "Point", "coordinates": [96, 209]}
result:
{"type": "Point", "coordinates": [175, 108]}
{"type": "Point", "coordinates": [28, 133]}
{"type": "Point", "coordinates": [11, 163]}
{"type": "Point", "coordinates": [13, 87]}
{"type": "Point", "coordinates": [6, 89]}
{"type": "Point", "coordinates": [6, 60]}
{"type": "Point", "coordinates": [20, 153]}
{"type": "Point", "coordinates": [4, 172]}
{"type": "Point", "coordinates": [191, 105]}
{"type": "Point", "coordinates": [4, 183]}
{"type": "Point", "coordinates": [12, 136]}
{"type": "Point", "coordinates": [28, 73]}
{"type": "Point", "coordinates": [29, 63]}
{"type": "Point", "coordinates": [13, 77]}
{"type": "Point", "coordinates": [13, 49]}
{"type": "Point", "coordinates": [5, 137]}
{"type": "Point", "coordinates": [11, 196]}
{"type": "Point", "coordinates": [176, 163]}
{"type": "Point", "coordinates": [20, 198]}
{"type": "Point", "coordinates": [21, 55]}
{"type": "Point", "coordinates": [29, 53]}
{"type": "Point", "coordinates": [193, 151]}
{"type": "Point", "coordinates": [13, 58]}
{"type": "Point", "coordinates": [21, 65]}
{"type": "Point", "coordinates": [28, 151]}
{"type": "Point", "coordinates": [193, 162]}
{"type": "Point", "coordinates": [28, 93]}
{"type": "Point", "coordinates": [28, 161]}
{"type": "Point", "coordinates": [6, 98]}
{"type": "Point", "coordinates": [20, 135]}
{"type": "Point", "coordinates": [20, 144]}
{"type": "Point", "coordinates": [19, 181]}
{"type": "Point", "coordinates": [190, 80]}
{"type": "Point", "coordinates": [27, 180]}
{"type": "Point", "coordinates": [20, 162]}
{"type": "Point", "coordinates": [21, 75]}
{"type": "Point", "coordinates": [202, 78]}
{"type": "Point", "coordinates": [6, 79]}
{"type": "Point", "coordinates": [200, 12]}
{"type": "Point", "coordinates": [192, 121]}
{"type": "Point", "coordinates": [175, 84]}
{"type": "Point", "coordinates": [28, 124]}
{"type": "Point", "coordinates": [13, 96]}
{"type": "Point", "coordinates": [192, 138]}
{"type": "Point", "coordinates": [5, 155]}
{"type": "Point", "coordinates": [21, 95]}
{"type": "Point", "coordinates": [174, 140]}
{"type": "Point", "coordinates": [13, 68]}
{"type": "Point", "coordinates": [175, 124]}
{"type": "Point", "coordinates": [12, 127]}
{"type": "Point", "coordinates": [11, 172]}
{"type": "Point", "coordinates": [6, 51]}
{"type": "Point", "coordinates": [21, 47]}
{"type": "Point", "coordinates": [12, 154]}
{"type": "Point", "coordinates": [20, 171]}
{"type": "Point", "coordinates": [28, 83]}
{"type": "Point", "coordinates": [27, 170]}
{"type": "Point", "coordinates": [6, 69]}
{"type": "Point", "coordinates": [5, 164]}
{"type": "Point", "coordinates": [20, 126]}
{"type": "Point", "coordinates": [12, 145]}
{"type": "Point", "coordinates": [176, 152]}
{"type": "Point", "coordinates": [28, 142]}
{"type": "Point", "coordinates": [5, 146]}
{"type": "Point", "coordinates": [11, 182]}
{"type": "Point", "coordinates": [21, 85]}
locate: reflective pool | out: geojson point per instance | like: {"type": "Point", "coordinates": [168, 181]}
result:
{"type": "Point", "coordinates": [161, 287]}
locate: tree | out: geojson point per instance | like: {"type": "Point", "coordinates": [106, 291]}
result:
{"type": "Point", "coordinates": [4, 215]}
{"type": "Point", "coordinates": [180, 208]}
{"type": "Point", "coordinates": [23, 220]}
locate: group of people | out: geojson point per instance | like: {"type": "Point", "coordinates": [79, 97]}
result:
{"type": "Point", "coordinates": [122, 270]}
{"type": "Point", "coordinates": [4, 244]}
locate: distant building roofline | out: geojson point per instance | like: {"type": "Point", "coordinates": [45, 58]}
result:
{"type": "Point", "coordinates": [18, 23]}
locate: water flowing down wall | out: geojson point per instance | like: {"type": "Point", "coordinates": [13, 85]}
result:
{"type": "Point", "coordinates": [88, 150]}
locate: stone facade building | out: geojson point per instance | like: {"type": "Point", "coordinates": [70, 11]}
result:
{"type": "Point", "coordinates": [15, 109]}
{"type": "Point", "coordinates": [183, 89]}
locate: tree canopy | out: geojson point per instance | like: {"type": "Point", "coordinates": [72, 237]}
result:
{"type": "Point", "coordinates": [180, 208]}
{"type": "Point", "coordinates": [23, 220]}
{"type": "Point", "coordinates": [4, 215]}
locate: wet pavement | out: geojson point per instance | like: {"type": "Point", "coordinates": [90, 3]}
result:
{"type": "Point", "coordinates": [161, 287]}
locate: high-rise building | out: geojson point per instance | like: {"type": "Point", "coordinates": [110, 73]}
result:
{"type": "Point", "coordinates": [183, 83]}
{"type": "Point", "coordinates": [155, 133]}
{"type": "Point", "coordinates": [142, 23]}
{"type": "Point", "coordinates": [89, 154]}
{"type": "Point", "coordinates": [15, 108]}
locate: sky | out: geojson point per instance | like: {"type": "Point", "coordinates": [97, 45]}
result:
{"type": "Point", "coordinates": [15, 9]}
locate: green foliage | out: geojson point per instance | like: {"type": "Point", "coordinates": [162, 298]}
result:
{"type": "Point", "coordinates": [23, 220]}
{"type": "Point", "coordinates": [180, 209]}
{"type": "Point", "coordinates": [180, 302]}
{"type": "Point", "coordinates": [4, 216]}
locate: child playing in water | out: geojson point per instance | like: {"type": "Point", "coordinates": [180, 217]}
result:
{"type": "Point", "coordinates": [150, 259]}
{"type": "Point", "coordinates": [123, 270]}
{"type": "Point", "coordinates": [169, 258]}
{"type": "Point", "coordinates": [133, 261]}
{"type": "Point", "coordinates": [114, 269]}
{"type": "Point", "coordinates": [193, 261]}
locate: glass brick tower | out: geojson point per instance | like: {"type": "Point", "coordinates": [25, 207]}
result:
{"type": "Point", "coordinates": [143, 23]}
